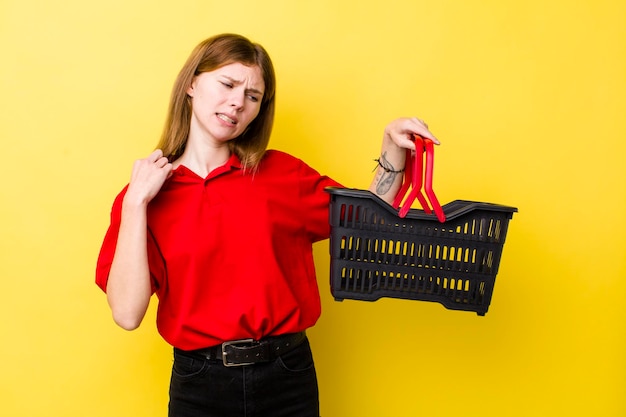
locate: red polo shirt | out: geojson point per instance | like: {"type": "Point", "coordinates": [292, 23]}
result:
{"type": "Point", "coordinates": [231, 255]}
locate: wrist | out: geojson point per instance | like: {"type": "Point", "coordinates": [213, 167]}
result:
{"type": "Point", "coordinates": [387, 166]}
{"type": "Point", "coordinates": [133, 203]}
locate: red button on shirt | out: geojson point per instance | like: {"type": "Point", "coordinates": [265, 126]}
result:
{"type": "Point", "coordinates": [231, 255]}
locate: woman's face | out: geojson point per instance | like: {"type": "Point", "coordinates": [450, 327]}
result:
{"type": "Point", "coordinates": [225, 101]}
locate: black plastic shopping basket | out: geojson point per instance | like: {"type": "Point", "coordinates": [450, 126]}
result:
{"type": "Point", "coordinates": [381, 250]}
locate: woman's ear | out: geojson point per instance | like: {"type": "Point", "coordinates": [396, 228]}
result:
{"type": "Point", "coordinates": [190, 89]}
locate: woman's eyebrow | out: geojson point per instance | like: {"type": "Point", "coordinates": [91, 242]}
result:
{"type": "Point", "coordinates": [249, 90]}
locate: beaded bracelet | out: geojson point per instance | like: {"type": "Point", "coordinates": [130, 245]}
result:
{"type": "Point", "coordinates": [387, 169]}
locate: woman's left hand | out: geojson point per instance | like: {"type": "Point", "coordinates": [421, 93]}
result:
{"type": "Point", "coordinates": [398, 137]}
{"type": "Point", "coordinates": [401, 132]}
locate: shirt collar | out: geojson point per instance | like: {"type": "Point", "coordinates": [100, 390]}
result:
{"type": "Point", "coordinates": [233, 161]}
{"type": "Point", "coordinates": [184, 174]}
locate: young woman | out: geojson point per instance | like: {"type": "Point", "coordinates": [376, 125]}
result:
{"type": "Point", "coordinates": [221, 229]}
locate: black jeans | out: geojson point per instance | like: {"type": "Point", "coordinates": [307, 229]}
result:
{"type": "Point", "coordinates": [286, 387]}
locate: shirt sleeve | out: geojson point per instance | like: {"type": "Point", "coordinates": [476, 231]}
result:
{"type": "Point", "coordinates": [315, 202]}
{"type": "Point", "coordinates": [107, 250]}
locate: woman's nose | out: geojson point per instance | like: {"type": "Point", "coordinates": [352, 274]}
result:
{"type": "Point", "coordinates": [237, 101]}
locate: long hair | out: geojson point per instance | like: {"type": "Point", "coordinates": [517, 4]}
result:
{"type": "Point", "coordinates": [209, 55]}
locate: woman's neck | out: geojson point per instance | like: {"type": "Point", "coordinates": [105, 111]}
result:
{"type": "Point", "coordinates": [203, 159]}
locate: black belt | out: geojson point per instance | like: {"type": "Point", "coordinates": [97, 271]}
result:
{"type": "Point", "coordinates": [250, 351]}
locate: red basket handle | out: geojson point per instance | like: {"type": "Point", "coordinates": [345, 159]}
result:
{"type": "Point", "coordinates": [414, 178]}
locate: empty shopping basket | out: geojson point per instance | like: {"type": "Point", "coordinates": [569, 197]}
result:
{"type": "Point", "coordinates": [450, 256]}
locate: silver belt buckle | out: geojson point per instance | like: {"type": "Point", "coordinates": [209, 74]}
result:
{"type": "Point", "coordinates": [230, 343]}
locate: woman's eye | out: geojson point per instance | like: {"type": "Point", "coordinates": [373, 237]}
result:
{"type": "Point", "coordinates": [254, 99]}
{"type": "Point", "coordinates": [227, 85]}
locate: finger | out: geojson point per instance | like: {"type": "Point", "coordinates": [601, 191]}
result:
{"type": "Point", "coordinates": [154, 156]}
{"type": "Point", "coordinates": [421, 121]}
{"type": "Point", "coordinates": [161, 162]}
{"type": "Point", "coordinates": [421, 128]}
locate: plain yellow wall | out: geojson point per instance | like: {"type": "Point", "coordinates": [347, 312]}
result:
{"type": "Point", "coordinates": [528, 99]}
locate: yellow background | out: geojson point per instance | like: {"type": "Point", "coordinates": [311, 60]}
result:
{"type": "Point", "coordinates": [528, 99]}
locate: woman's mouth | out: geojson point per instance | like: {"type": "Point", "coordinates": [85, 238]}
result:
{"type": "Point", "coordinates": [227, 119]}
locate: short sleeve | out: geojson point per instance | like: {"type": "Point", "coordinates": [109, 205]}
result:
{"type": "Point", "coordinates": [315, 202]}
{"type": "Point", "coordinates": [107, 250]}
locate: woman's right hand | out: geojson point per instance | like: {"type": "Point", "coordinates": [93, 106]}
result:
{"type": "Point", "coordinates": [147, 177]}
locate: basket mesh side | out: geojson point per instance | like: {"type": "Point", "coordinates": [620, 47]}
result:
{"type": "Point", "coordinates": [388, 283]}
{"type": "Point", "coordinates": [375, 253]}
